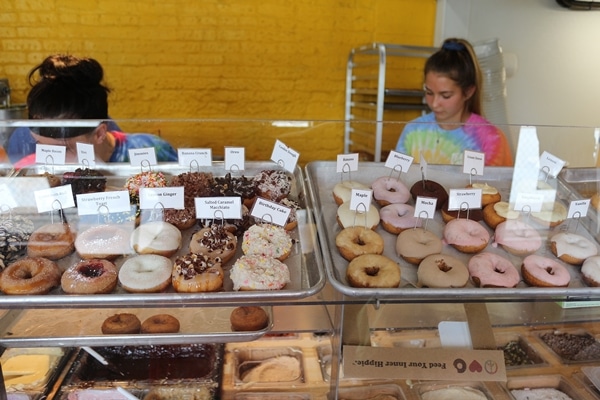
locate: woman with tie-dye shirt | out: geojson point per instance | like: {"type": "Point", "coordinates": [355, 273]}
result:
{"type": "Point", "coordinates": [452, 91]}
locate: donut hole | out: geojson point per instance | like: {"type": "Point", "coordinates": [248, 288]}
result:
{"type": "Point", "coordinates": [372, 271]}
{"type": "Point", "coordinates": [91, 270]}
{"type": "Point", "coordinates": [441, 264]}
{"type": "Point", "coordinates": [23, 273]}
{"type": "Point", "coordinates": [549, 270]}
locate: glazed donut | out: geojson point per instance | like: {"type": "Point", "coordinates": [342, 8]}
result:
{"type": "Point", "coordinates": [397, 217]}
{"type": "Point", "coordinates": [248, 318]}
{"type": "Point", "coordinates": [496, 213]}
{"type": "Point", "coordinates": [194, 273]}
{"type": "Point", "coordinates": [373, 271]}
{"type": "Point", "coordinates": [182, 219]}
{"type": "Point", "coordinates": [215, 242]}
{"type": "Point", "coordinates": [413, 245]}
{"type": "Point", "coordinates": [122, 323]}
{"type": "Point", "coordinates": [489, 194]}
{"type": "Point", "coordinates": [103, 241]}
{"type": "Point", "coordinates": [343, 191]}
{"type": "Point", "coordinates": [160, 323]}
{"type": "Point", "coordinates": [388, 190]}
{"type": "Point", "coordinates": [544, 272]}
{"type": "Point", "coordinates": [357, 240]}
{"type": "Point", "coordinates": [145, 273]}
{"type": "Point", "coordinates": [30, 275]}
{"type": "Point", "coordinates": [590, 271]}
{"type": "Point", "coordinates": [427, 188]}
{"type": "Point", "coordinates": [272, 184]}
{"type": "Point", "coordinates": [491, 270]}
{"type": "Point", "coordinates": [442, 271]}
{"type": "Point", "coordinates": [268, 240]}
{"type": "Point", "coordinates": [347, 217]}
{"type": "Point", "coordinates": [259, 272]}
{"type": "Point", "coordinates": [93, 276]}
{"type": "Point", "coordinates": [517, 237]}
{"type": "Point", "coordinates": [572, 248]}
{"type": "Point", "coordinates": [551, 215]}
{"type": "Point", "coordinates": [51, 241]}
{"type": "Point", "coordinates": [466, 236]}
{"type": "Point", "coordinates": [156, 237]}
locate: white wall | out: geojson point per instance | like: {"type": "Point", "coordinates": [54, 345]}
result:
{"type": "Point", "coordinates": [557, 77]}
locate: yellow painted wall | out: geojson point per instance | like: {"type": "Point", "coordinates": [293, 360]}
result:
{"type": "Point", "coordinates": [215, 59]}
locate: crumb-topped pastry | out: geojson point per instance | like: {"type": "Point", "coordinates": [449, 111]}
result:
{"type": "Point", "coordinates": [273, 185]}
{"type": "Point", "coordinates": [214, 241]}
{"type": "Point", "coordinates": [235, 187]}
{"type": "Point", "coordinates": [197, 273]}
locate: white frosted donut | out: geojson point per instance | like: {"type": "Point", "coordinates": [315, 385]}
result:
{"type": "Point", "coordinates": [442, 271]}
{"type": "Point", "coordinates": [590, 270]}
{"type": "Point", "coordinates": [268, 240]}
{"type": "Point", "coordinates": [492, 270]}
{"type": "Point", "coordinates": [544, 272]}
{"type": "Point", "coordinates": [257, 272]}
{"type": "Point", "coordinates": [572, 248]}
{"type": "Point", "coordinates": [551, 215]}
{"type": "Point", "coordinates": [388, 190]}
{"type": "Point", "coordinates": [156, 237]}
{"type": "Point", "coordinates": [103, 241]}
{"type": "Point", "coordinates": [397, 217]}
{"type": "Point", "coordinates": [347, 218]}
{"type": "Point", "coordinates": [413, 245]}
{"type": "Point", "coordinates": [343, 190]}
{"type": "Point", "coordinates": [466, 235]}
{"type": "Point", "coordinates": [146, 273]}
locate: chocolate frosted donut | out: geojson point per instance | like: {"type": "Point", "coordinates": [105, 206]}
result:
{"type": "Point", "coordinates": [427, 188]}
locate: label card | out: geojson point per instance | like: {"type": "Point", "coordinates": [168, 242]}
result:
{"type": "Point", "coordinates": [194, 157]}
{"type": "Point", "coordinates": [85, 154]}
{"type": "Point", "coordinates": [218, 207]}
{"type": "Point", "coordinates": [551, 164]}
{"type": "Point", "coordinates": [53, 199]}
{"type": "Point", "coordinates": [142, 157]}
{"type": "Point", "coordinates": [360, 200]}
{"type": "Point", "coordinates": [578, 208]}
{"type": "Point", "coordinates": [347, 162]}
{"type": "Point", "coordinates": [529, 202]}
{"type": "Point", "coordinates": [398, 161]}
{"type": "Point", "coordinates": [235, 158]}
{"type": "Point", "coordinates": [285, 156]}
{"type": "Point", "coordinates": [165, 197]}
{"type": "Point", "coordinates": [473, 162]}
{"type": "Point", "coordinates": [103, 203]}
{"type": "Point", "coordinates": [463, 199]}
{"type": "Point", "coordinates": [425, 207]}
{"type": "Point", "coordinates": [50, 154]}
{"type": "Point", "coordinates": [271, 212]}
{"type": "Point", "coordinates": [423, 165]}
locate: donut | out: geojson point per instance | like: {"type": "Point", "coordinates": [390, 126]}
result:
{"type": "Point", "coordinates": [373, 271]}
{"type": "Point", "coordinates": [517, 237]}
{"type": "Point", "coordinates": [466, 236]}
{"type": "Point", "coordinates": [235, 226]}
{"type": "Point", "coordinates": [496, 213]}
{"type": "Point", "coordinates": [428, 188]}
{"type": "Point", "coordinates": [492, 270]}
{"type": "Point", "coordinates": [122, 323]}
{"type": "Point", "coordinates": [472, 214]}
{"type": "Point", "coordinates": [343, 191]}
{"type": "Point", "coordinates": [346, 217]}
{"type": "Point", "coordinates": [229, 186]}
{"type": "Point", "coordinates": [489, 194]}
{"type": "Point", "coordinates": [103, 241]}
{"type": "Point", "coordinates": [156, 237]}
{"type": "Point", "coordinates": [413, 245]}
{"type": "Point", "coordinates": [442, 271]}
{"type": "Point", "coordinates": [248, 318]}
{"type": "Point", "coordinates": [590, 271]}
{"type": "Point", "coordinates": [144, 179]}
{"type": "Point", "coordinates": [397, 217]}
{"type": "Point", "coordinates": [388, 190]}
{"type": "Point", "coordinates": [30, 275]}
{"type": "Point", "coordinates": [358, 240]}
{"type": "Point", "coordinates": [551, 215]}
{"type": "Point", "coordinates": [194, 273]}
{"type": "Point", "coordinates": [292, 221]}
{"type": "Point", "coordinates": [195, 184]}
{"type": "Point", "coordinates": [572, 248]}
{"type": "Point", "coordinates": [215, 242]}
{"type": "Point", "coordinates": [15, 232]}
{"type": "Point", "coordinates": [51, 241]}
{"type": "Point", "coordinates": [268, 240]}
{"type": "Point", "coordinates": [145, 273]}
{"type": "Point", "coordinates": [259, 272]}
{"type": "Point", "coordinates": [544, 272]}
{"type": "Point", "coordinates": [93, 276]}
{"type": "Point", "coordinates": [182, 219]}
{"type": "Point", "coordinates": [160, 323]}
{"type": "Point", "coordinates": [273, 184]}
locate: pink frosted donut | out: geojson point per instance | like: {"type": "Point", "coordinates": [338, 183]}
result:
{"type": "Point", "coordinates": [544, 272]}
{"type": "Point", "coordinates": [466, 235]}
{"type": "Point", "coordinates": [388, 190]}
{"type": "Point", "coordinates": [397, 217]}
{"type": "Point", "coordinates": [517, 237]}
{"type": "Point", "coordinates": [491, 270]}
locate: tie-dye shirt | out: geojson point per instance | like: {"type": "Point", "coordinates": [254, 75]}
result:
{"type": "Point", "coordinates": [125, 142]}
{"type": "Point", "coordinates": [439, 146]}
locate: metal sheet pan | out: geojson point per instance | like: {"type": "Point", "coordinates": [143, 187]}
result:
{"type": "Point", "coordinates": [322, 177]}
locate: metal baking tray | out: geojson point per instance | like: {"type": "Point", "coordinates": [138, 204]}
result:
{"type": "Point", "coordinates": [322, 177]}
{"type": "Point", "coordinates": [305, 262]}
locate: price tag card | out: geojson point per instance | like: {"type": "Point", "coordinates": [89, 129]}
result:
{"type": "Point", "coordinates": [360, 200]}
{"type": "Point", "coordinates": [235, 158]}
{"type": "Point", "coordinates": [85, 154]}
{"type": "Point", "coordinates": [578, 208]}
{"type": "Point", "coordinates": [270, 211]}
{"type": "Point", "coordinates": [347, 162]}
{"type": "Point", "coordinates": [103, 202]}
{"type": "Point", "coordinates": [425, 207]}
{"type": "Point", "coordinates": [141, 157]}
{"type": "Point", "coordinates": [463, 199]}
{"type": "Point", "coordinates": [551, 164]}
{"type": "Point", "coordinates": [194, 157]}
{"type": "Point", "coordinates": [50, 154]}
{"type": "Point", "coordinates": [218, 207]}
{"type": "Point", "coordinates": [53, 199]}
{"type": "Point", "coordinates": [398, 161]}
{"type": "Point", "coordinates": [7, 197]}
{"type": "Point", "coordinates": [473, 162]}
{"type": "Point", "coordinates": [165, 197]}
{"type": "Point", "coordinates": [285, 156]}
{"type": "Point", "coordinates": [529, 202]}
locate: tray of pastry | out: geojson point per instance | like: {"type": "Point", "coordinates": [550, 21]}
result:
{"type": "Point", "coordinates": [323, 178]}
{"type": "Point", "coordinates": [305, 271]}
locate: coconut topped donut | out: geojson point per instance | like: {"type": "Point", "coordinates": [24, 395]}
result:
{"type": "Point", "coordinates": [273, 184]}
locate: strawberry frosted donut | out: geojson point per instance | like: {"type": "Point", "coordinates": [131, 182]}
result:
{"type": "Point", "coordinates": [572, 248]}
{"type": "Point", "coordinates": [413, 245]}
{"type": "Point", "coordinates": [466, 235]}
{"type": "Point", "coordinates": [268, 240]}
{"type": "Point", "coordinates": [388, 190]}
{"type": "Point", "coordinates": [343, 190]}
{"type": "Point", "coordinates": [258, 272]}
{"type": "Point", "coordinates": [491, 270]}
{"type": "Point", "coordinates": [544, 272]}
{"type": "Point", "coordinates": [517, 237]}
{"type": "Point", "coordinates": [397, 217]}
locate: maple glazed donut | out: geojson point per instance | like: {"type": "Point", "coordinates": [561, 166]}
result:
{"type": "Point", "coordinates": [517, 237]}
{"type": "Point", "coordinates": [492, 270]}
{"type": "Point", "coordinates": [358, 240]}
{"type": "Point", "coordinates": [122, 323]}
{"type": "Point", "coordinates": [146, 273]}
{"type": "Point", "coordinates": [442, 271]}
{"type": "Point", "coordinates": [52, 241]}
{"type": "Point", "coordinates": [30, 275]}
{"type": "Point", "coordinates": [466, 235]}
{"type": "Point", "coordinates": [160, 323]}
{"type": "Point", "coordinates": [214, 241]}
{"type": "Point", "coordinates": [268, 240]}
{"type": "Point", "coordinates": [194, 273]}
{"type": "Point", "coordinates": [103, 241]}
{"type": "Point", "coordinates": [343, 191]}
{"type": "Point", "coordinates": [428, 188]}
{"type": "Point", "coordinates": [489, 194]}
{"type": "Point", "coordinates": [93, 276]}
{"type": "Point", "coordinates": [259, 272]}
{"type": "Point", "coordinates": [397, 217]}
{"type": "Point", "coordinates": [544, 272]}
{"type": "Point", "coordinates": [572, 248]}
{"type": "Point", "coordinates": [346, 217]}
{"type": "Point", "coordinates": [388, 190]}
{"type": "Point", "coordinates": [413, 245]}
{"type": "Point", "coordinates": [590, 271]}
{"type": "Point", "coordinates": [373, 271]}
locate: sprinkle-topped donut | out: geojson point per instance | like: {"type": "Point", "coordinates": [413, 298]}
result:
{"type": "Point", "coordinates": [268, 240]}
{"type": "Point", "coordinates": [145, 179]}
{"type": "Point", "coordinates": [259, 272]}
